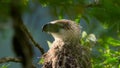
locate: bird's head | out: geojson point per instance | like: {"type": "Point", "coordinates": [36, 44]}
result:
{"type": "Point", "coordinates": [63, 29]}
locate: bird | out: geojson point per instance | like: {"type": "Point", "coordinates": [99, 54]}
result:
{"type": "Point", "coordinates": [66, 50]}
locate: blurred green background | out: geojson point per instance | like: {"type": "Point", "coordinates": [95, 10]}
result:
{"type": "Point", "coordinates": [99, 17]}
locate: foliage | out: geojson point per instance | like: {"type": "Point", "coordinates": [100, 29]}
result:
{"type": "Point", "coordinates": [106, 11]}
{"type": "Point", "coordinates": [88, 40]}
{"type": "Point", "coordinates": [106, 52]}
{"type": "Point", "coordinates": [49, 44]}
{"type": "Point", "coordinates": [5, 66]}
{"type": "Point", "coordinates": [41, 61]}
{"type": "Point", "coordinates": [109, 54]}
{"type": "Point", "coordinates": [5, 8]}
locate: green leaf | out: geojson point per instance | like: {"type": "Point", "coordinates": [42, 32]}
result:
{"type": "Point", "coordinates": [60, 17]}
{"type": "Point", "coordinates": [110, 60]}
{"type": "Point", "coordinates": [92, 38]}
{"type": "Point", "coordinates": [113, 41]}
{"type": "Point", "coordinates": [41, 61]}
{"type": "Point", "coordinates": [49, 44]}
{"type": "Point", "coordinates": [84, 34]}
{"type": "Point", "coordinates": [5, 66]}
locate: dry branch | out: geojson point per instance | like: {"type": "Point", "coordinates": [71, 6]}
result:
{"type": "Point", "coordinates": [12, 59]}
{"type": "Point", "coordinates": [9, 59]}
{"type": "Point", "coordinates": [31, 38]}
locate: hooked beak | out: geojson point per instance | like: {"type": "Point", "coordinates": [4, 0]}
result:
{"type": "Point", "coordinates": [50, 28]}
{"type": "Point", "coordinates": [45, 27]}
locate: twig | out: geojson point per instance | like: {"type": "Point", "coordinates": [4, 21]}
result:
{"type": "Point", "coordinates": [10, 59]}
{"type": "Point", "coordinates": [31, 38]}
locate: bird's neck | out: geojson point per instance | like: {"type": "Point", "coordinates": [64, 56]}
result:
{"type": "Point", "coordinates": [70, 41]}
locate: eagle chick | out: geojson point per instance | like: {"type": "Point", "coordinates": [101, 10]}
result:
{"type": "Point", "coordinates": [66, 50]}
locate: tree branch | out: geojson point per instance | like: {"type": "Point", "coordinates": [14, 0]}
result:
{"type": "Point", "coordinates": [10, 59]}
{"type": "Point", "coordinates": [16, 15]}
{"type": "Point", "coordinates": [31, 38]}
